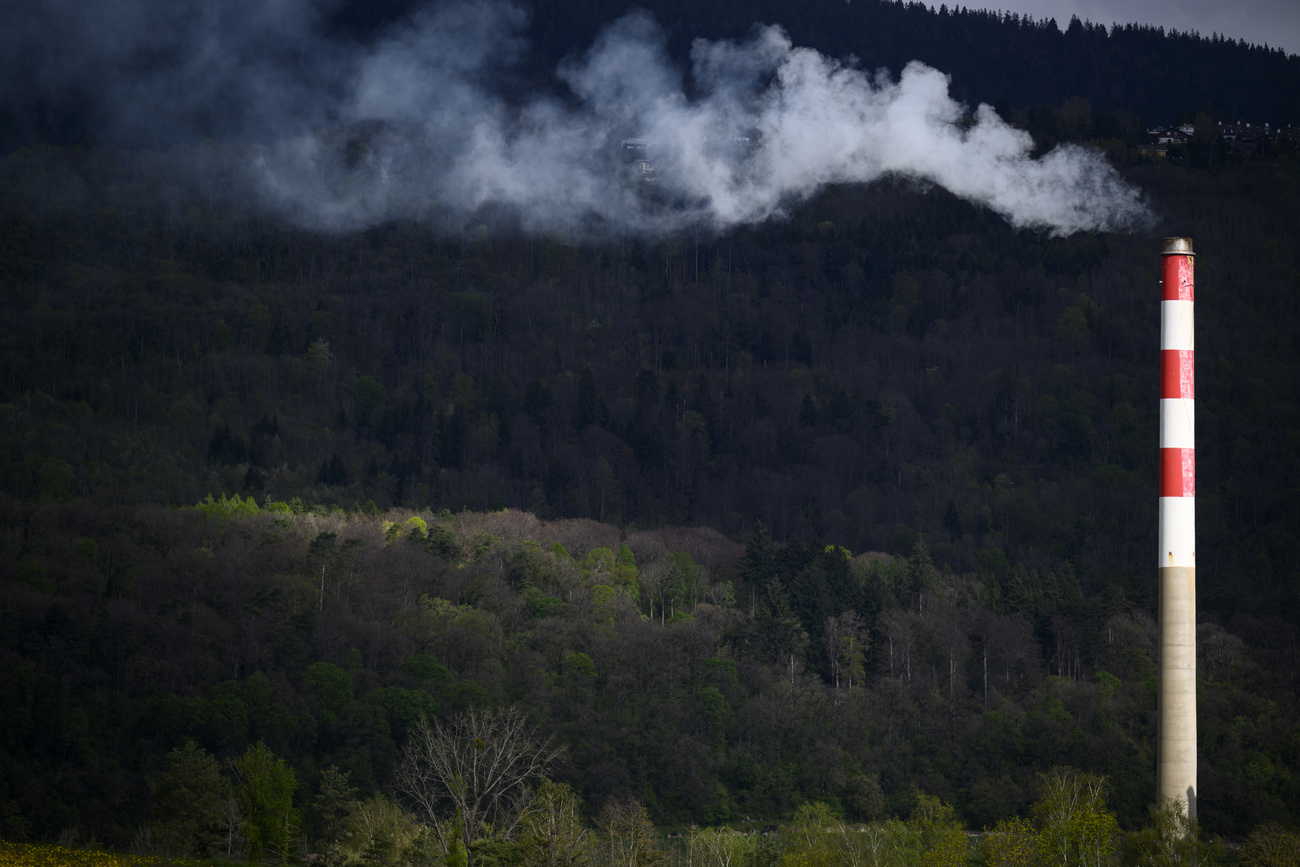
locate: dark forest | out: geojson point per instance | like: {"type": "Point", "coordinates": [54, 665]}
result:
{"type": "Point", "coordinates": [853, 508]}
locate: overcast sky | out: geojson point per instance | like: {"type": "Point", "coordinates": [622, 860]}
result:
{"type": "Point", "coordinates": [1275, 22]}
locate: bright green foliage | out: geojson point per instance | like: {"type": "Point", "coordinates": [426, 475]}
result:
{"type": "Point", "coordinates": [810, 839]}
{"type": "Point", "coordinates": [375, 833]}
{"type": "Point", "coordinates": [265, 795]}
{"type": "Point", "coordinates": [720, 847]}
{"type": "Point", "coordinates": [809, 827]}
{"type": "Point", "coordinates": [416, 530]}
{"type": "Point", "coordinates": [192, 796]}
{"type": "Point", "coordinates": [940, 834]}
{"type": "Point", "coordinates": [685, 584]}
{"type": "Point", "coordinates": [225, 508]}
{"type": "Point", "coordinates": [1074, 826]}
{"type": "Point", "coordinates": [598, 561]}
{"type": "Point", "coordinates": [817, 856]}
{"type": "Point", "coordinates": [1011, 843]}
{"type": "Point", "coordinates": [1170, 840]}
{"type": "Point", "coordinates": [1271, 846]}
{"type": "Point", "coordinates": [816, 838]}
{"type": "Point", "coordinates": [625, 574]}
{"type": "Point", "coordinates": [456, 855]}
{"type": "Point", "coordinates": [617, 570]}
{"type": "Point", "coordinates": [881, 844]}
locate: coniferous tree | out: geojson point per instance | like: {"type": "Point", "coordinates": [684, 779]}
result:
{"type": "Point", "coordinates": [191, 797]}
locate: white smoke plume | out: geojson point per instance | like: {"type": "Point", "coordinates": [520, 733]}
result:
{"type": "Point", "coordinates": [425, 124]}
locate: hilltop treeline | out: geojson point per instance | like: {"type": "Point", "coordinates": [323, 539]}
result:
{"type": "Point", "coordinates": [1129, 72]}
{"type": "Point", "coordinates": [1138, 69]}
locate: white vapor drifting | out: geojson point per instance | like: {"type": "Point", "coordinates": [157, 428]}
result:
{"type": "Point", "coordinates": [425, 124]}
{"type": "Point", "coordinates": [441, 138]}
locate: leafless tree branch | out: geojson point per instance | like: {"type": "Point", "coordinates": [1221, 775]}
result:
{"type": "Point", "coordinates": [479, 765]}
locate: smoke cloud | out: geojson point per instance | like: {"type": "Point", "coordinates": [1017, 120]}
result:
{"type": "Point", "coordinates": [427, 123]}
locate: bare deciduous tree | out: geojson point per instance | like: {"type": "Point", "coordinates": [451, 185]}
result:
{"type": "Point", "coordinates": [628, 839]}
{"type": "Point", "coordinates": [477, 768]}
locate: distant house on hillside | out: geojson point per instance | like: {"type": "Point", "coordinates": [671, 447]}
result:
{"type": "Point", "coordinates": [1242, 137]}
{"type": "Point", "coordinates": [1246, 138]}
{"type": "Point", "coordinates": [1173, 134]}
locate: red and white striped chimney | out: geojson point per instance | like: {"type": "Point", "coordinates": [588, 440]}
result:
{"type": "Point", "coordinates": [1176, 732]}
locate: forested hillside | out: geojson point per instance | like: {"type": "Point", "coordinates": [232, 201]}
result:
{"type": "Point", "coordinates": [888, 362]}
{"type": "Point", "coordinates": [890, 370]}
{"type": "Point", "coordinates": [714, 684]}
{"type": "Point", "coordinates": [847, 516]}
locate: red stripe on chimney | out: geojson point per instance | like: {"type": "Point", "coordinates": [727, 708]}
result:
{"type": "Point", "coordinates": [1176, 374]}
{"type": "Point", "coordinates": [1178, 472]}
{"type": "Point", "coordinates": [1176, 278]}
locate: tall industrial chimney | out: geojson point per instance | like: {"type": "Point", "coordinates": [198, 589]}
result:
{"type": "Point", "coordinates": [1176, 725]}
